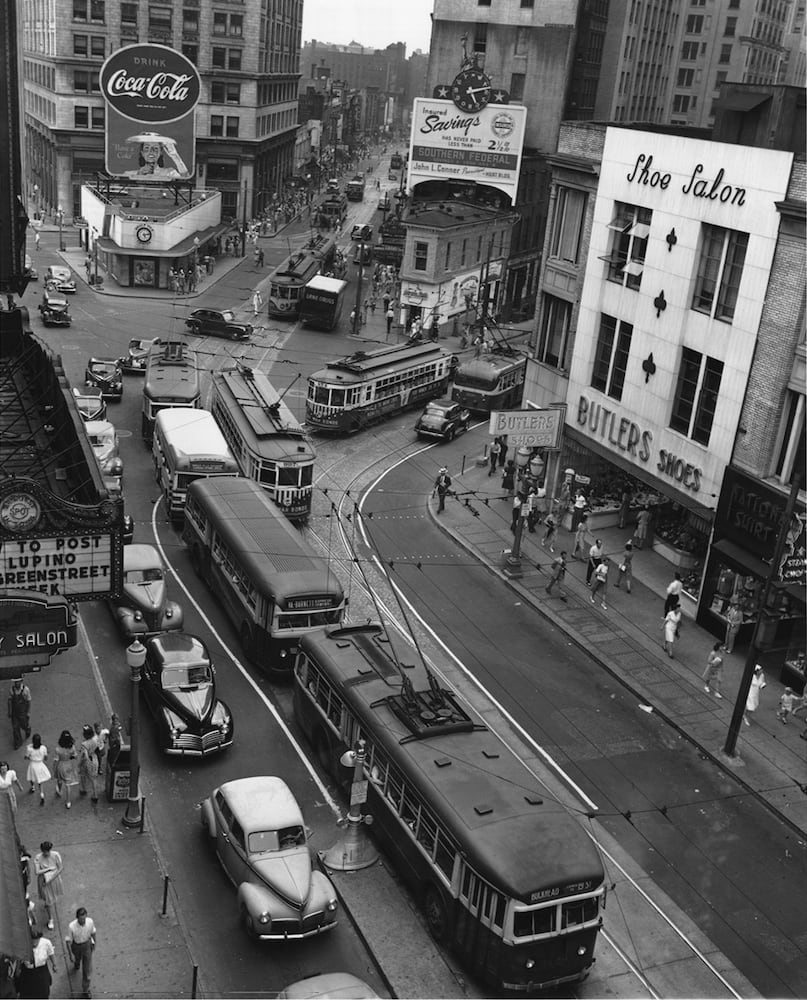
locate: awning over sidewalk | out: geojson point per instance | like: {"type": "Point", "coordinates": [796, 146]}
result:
{"type": "Point", "coordinates": [181, 249]}
{"type": "Point", "coordinates": [15, 932]}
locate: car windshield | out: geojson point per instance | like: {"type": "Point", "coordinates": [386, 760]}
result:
{"type": "Point", "coordinates": [182, 677]}
{"type": "Point", "coordinates": [264, 841]}
{"type": "Point", "coordinates": [150, 575]}
{"type": "Point", "coordinates": [227, 315]}
{"type": "Point", "coordinates": [107, 370]}
{"type": "Point", "coordinates": [102, 440]}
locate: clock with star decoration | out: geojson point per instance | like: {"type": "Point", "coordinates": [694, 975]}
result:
{"type": "Point", "coordinates": [471, 90]}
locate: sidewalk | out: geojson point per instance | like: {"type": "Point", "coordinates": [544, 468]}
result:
{"type": "Point", "coordinates": [771, 761]}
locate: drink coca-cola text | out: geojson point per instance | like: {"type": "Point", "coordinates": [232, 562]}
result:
{"type": "Point", "coordinates": [159, 87]}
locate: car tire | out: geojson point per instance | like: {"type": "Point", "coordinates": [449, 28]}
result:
{"type": "Point", "coordinates": [193, 329]}
{"type": "Point", "coordinates": [233, 334]}
{"type": "Point", "coordinates": [451, 434]}
{"type": "Point", "coordinates": [436, 913]}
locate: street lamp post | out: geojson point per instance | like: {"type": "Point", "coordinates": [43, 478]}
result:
{"type": "Point", "coordinates": [95, 256]}
{"type": "Point", "coordinates": [135, 658]}
{"type": "Point", "coordinates": [60, 217]}
{"type": "Point", "coordinates": [512, 565]}
{"type": "Point", "coordinates": [353, 850]}
{"type": "Point", "coordinates": [357, 309]}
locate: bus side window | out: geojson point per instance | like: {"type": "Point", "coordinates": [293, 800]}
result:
{"type": "Point", "coordinates": [445, 855]}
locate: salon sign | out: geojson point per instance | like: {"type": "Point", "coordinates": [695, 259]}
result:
{"type": "Point", "coordinates": [151, 92]}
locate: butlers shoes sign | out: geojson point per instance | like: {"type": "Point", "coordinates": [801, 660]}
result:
{"type": "Point", "coordinates": [151, 92]}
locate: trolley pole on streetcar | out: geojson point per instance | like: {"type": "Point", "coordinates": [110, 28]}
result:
{"type": "Point", "coordinates": [353, 850]}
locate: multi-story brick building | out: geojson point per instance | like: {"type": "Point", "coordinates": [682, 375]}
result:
{"type": "Point", "coordinates": [247, 54]}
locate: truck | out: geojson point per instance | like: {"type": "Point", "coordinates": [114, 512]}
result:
{"type": "Point", "coordinates": [321, 302]}
{"type": "Point", "coordinates": [355, 188]}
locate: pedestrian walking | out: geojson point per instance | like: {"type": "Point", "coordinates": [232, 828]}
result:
{"type": "Point", "coordinates": [261, 257]}
{"type": "Point", "coordinates": [181, 281]}
{"type": "Point", "coordinates": [713, 674]}
{"type": "Point", "coordinates": [35, 977]}
{"type": "Point", "coordinates": [558, 571]}
{"type": "Point", "coordinates": [36, 754]}
{"type": "Point", "coordinates": [518, 512]}
{"type": "Point", "coordinates": [8, 779]}
{"type": "Point", "coordinates": [48, 868]}
{"type": "Point", "coordinates": [257, 302]}
{"type": "Point", "coordinates": [493, 455]}
{"type": "Point", "coordinates": [386, 301]}
{"type": "Point", "coordinates": [624, 505]}
{"type": "Point", "coordinates": [532, 509]}
{"type": "Point", "coordinates": [580, 538]}
{"type": "Point", "coordinates": [672, 621]}
{"type": "Point", "coordinates": [88, 268]}
{"type": "Point", "coordinates": [787, 704]}
{"type": "Point", "coordinates": [81, 939]}
{"type": "Point", "coordinates": [541, 502]}
{"type": "Point", "coordinates": [373, 304]}
{"type": "Point", "coordinates": [352, 319]}
{"type": "Point", "coordinates": [441, 487]}
{"type": "Point", "coordinates": [594, 559]}
{"type": "Point", "coordinates": [642, 525]}
{"type": "Point", "coordinates": [758, 682]}
{"type": "Point", "coordinates": [114, 739]}
{"type": "Point", "coordinates": [579, 508]}
{"type": "Point", "coordinates": [390, 317]}
{"type": "Point", "coordinates": [734, 619]}
{"type": "Point", "coordinates": [88, 764]}
{"type": "Point", "coordinates": [503, 450]}
{"type": "Point", "coordinates": [66, 767]}
{"type": "Point", "coordinates": [365, 309]}
{"type": "Point", "coordinates": [548, 541]}
{"type": "Point", "coordinates": [36, 238]}
{"type": "Point", "coordinates": [19, 711]}
{"type": "Point", "coordinates": [674, 589]}
{"type": "Point", "coordinates": [600, 581]}
{"type": "Point", "coordinates": [509, 476]}
{"type": "Point", "coordinates": [625, 568]}
{"type": "Point", "coordinates": [102, 735]}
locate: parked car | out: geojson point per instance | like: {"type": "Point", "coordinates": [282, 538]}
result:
{"type": "Point", "coordinates": [143, 607]}
{"type": "Point", "coordinates": [61, 277]}
{"type": "Point", "coordinates": [328, 986]}
{"type": "Point", "coordinates": [30, 271]}
{"type": "Point", "coordinates": [261, 842]}
{"type": "Point", "coordinates": [105, 374]}
{"type": "Point", "coordinates": [217, 323]}
{"type": "Point", "coordinates": [363, 253]}
{"type": "Point", "coordinates": [384, 202]}
{"type": "Point", "coordinates": [179, 687]}
{"type": "Point", "coordinates": [104, 441]}
{"type": "Point", "coordinates": [444, 419]}
{"type": "Point", "coordinates": [364, 233]}
{"type": "Point", "coordinates": [53, 308]}
{"type": "Point", "coordinates": [90, 405]}
{"type": "Point", "coordinates": [135, 360]}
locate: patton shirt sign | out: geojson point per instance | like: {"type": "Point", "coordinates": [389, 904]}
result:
{"type": "Point", "coordinates": [482, 146]}
{"type": "Point", "coordinates": [151, 92]}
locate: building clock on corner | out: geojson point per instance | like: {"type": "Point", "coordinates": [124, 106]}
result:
{"type": "Point", "coordinates": [144, 234]}
{"type": "Point", "coordinates": [471, 90]}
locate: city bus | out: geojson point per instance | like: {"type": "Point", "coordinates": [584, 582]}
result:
{"type": "Point", "coordinates": [507, 877]}
{"type": "Point", "coordinates": [289, 278]}
{"type": "Point", "coordinates": [322, 301]}
{"type": "Point", "coordinates": [188, 445]}
{"type": "Point", "coordinates": [172, 379]}
{"type": "Point", "coordinates": [268, 442]}
{"type": "Point", "coordinates": [273, 585]}
{"type": "Point", "coordinates": [358, 390]}
{"type": "Point", "coordinates": [492, 381]}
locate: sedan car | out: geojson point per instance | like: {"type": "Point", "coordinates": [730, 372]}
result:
{"type": "Point", "coordinates": [31, 272]}
{"type": "Point", "coordinates": [104, 442]}
{"type": "Point", "coordinates": [328, 986]}
{"type": "Point", "coordinates": [143, 607]}
{"type": "Point", "coordinates": [364, 233]}
{"type": "Point", "coordinates": [217, 323]}
{"type": "Point", "coordinates": [384, 203]}
{"type": "Point", "coordinates": [260, 839]}
{"type": "Point", "coordinates": [105, 374]}
{"type": "Point", "coordinates": [91, 405]}
{"type": "Point", "coordinates": [62, 278]}
{"type": "Point", "coordinates": [444, 419]}
{"type": "Point", "coordinates": [53, 308]}
{"type": "Point", "coordinates": [135, 360]}
{"type": "Point", "coordinates": [179, 686]}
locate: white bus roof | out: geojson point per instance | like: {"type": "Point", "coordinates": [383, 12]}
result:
{"type": "Point", "coordinates": [193, 432]}
{"type": "Point", "coordinates": [321, 283]}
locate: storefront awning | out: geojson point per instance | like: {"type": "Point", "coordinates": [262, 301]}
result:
{"type": "Point", "coordinates": [740, 100]}
{"type": "Point", "coordinates": [15, 932]}
{"type": "Point", "coordinates": [747, 562]}
{"type": "Point", "coordinates": [181, 249]}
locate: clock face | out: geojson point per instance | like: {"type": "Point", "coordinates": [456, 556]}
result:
{"type": "Point", "coordinates": [144, 234]}
{"type": "Point", "coordinates": [471, 90]}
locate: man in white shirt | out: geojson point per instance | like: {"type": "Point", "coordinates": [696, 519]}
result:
{"type": "Point", "coordinates": [81, 941]}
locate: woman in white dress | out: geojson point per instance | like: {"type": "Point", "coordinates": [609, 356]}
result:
{"type": "Point", "coordinates": [758, 682]}
{"type": "Point", "coordinates": [36, 755]}
{"type": "Point", "coordinates": [48, 867]}
{"type": "Point", "coordinates": [8, 779]}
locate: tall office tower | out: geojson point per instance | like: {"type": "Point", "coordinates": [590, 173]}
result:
{"type": "Point", "coordinates": [247, 54]}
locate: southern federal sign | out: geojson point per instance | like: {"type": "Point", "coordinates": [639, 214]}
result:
{"type": "Point", "coordinates": [533, 428]}
{"type": "Point", "coordinates": [482, 146]}
{"type": "Point", "coordinates": [32, 630]}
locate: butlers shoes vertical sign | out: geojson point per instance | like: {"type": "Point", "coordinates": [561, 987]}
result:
{"type": "Point", "coordinates": [151, 92]}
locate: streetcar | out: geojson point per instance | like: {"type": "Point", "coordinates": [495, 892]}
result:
{"type": "Point", "coordinates": [289, 278]}
{"type": "Point", "coordinates": [269, 443]}
{"type": "Point", "coordinates": [172, 380]}
{"type": "Point", "coordinates": [368, 386]}
{"type": "Point", "coordinates": [492, 381]}
{"type": "Point", "coordinates": [507, 877]}
{"type": "Point", "coordinates": [274, 586]}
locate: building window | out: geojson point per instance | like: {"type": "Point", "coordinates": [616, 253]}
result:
{"type": "Point", "coordinates": [611, 356]}
{"type": "Point", "coordinates": [731, 27]}
{"type": "Point", "coordinates": [480, 38]}
{"type": "Point", "coordinates": [448, 256]}
{"type": "Point", "coordinates": [232, 126]}
{"type": "Point", "coordinates": [696, 395]}
{"type": "Point", "coordinates": [191, 52]}
{"type": "Point", "coordinates": [217, 124]}
{"type": "Point", "coordinates": [483, 3]}
{"type": "Point", "coordinates": [522, 37]}
{"type": "Point", "coordinates": [228, 24]}
{"type": "Point", "coordinates": [97, 45]}
{"type": "Point", "coordinates": [790, 460]}
{"type": "Point", "coordinates": [98, 118]}
{"type": "Point", "coordinates": [528, 3]}
{"type": "Point", "coordinates": [79, 10]}
{"type": "Point", "coordinates": [689, 51]}
{"type": "Point", "coordinates": [554, 332]}
{"type": "Point", "coordinates": [725, 53]}
{"type": "Point", "coordinates": [219, 58]}
{"type": "Point", "coordinates": [234, 58]}
{"type": "Point", "coordinates": [685, 77]}
{"type": "Point", "coordinates": [630, 227]}
{"type": "Point", "coordinates": [225, 93]}
{"type": "Point", "coordinates": [421, 256]}
{"type": "Point", "coordinates": [80, 45]}
{"type": "Point", "coordinates": [694, 24]}
{"type": "Point", "coordinates": [681, 104]}
{"type": "Point", "coordinates": [160, 18]}
{"type": "Point", "coordinates": [720, 269]}
{"type": "Point", "coordinates": [517, 81]}
{"type": "Point", "coordinates": [81, 116]}
{"type": "Point", "coordinates": [128, 13]}
{"type": "Point", "coordinates": [567, 226]}
{"type": "Point", "coordinates": [190, 19]}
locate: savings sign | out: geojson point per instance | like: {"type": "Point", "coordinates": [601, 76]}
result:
{"type": "Point", "coordinates": [481, 146]}
{"type": "Point", "coordinates": [151, 92]}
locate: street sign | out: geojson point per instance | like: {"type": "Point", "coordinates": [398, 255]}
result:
{"type": "Point", "coordinates": [32, 631]}
{"type": "Point", "coordinates": [533, 428]}
{"type": "Point", "coordinates": [358, 793]}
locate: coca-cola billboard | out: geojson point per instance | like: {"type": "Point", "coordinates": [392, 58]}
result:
{"type": "Point", "coordinates": [151, 92]}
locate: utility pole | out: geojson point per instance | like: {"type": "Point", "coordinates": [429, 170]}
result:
{"type": "Point", "coordinates": [730, 749]}
{"type": "Point", "coordinates": [357, 309]}
{"type": "Point", "coordinates": [244, 224]}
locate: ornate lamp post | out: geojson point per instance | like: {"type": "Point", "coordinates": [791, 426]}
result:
{"type": "Point", "coordinates": [135, 658]}
{"type": "Point", "coordinates": [353, 850]}
{"type": "Point", "coordinates": [60, 217]}
{"type": "Point", "coordinates": [513, 563]}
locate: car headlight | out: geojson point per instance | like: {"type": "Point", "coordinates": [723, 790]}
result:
{"type": "Point", "coordinates": [138, 616]}
{"type": "Point", "coordinates": [169, 612]}
{"type": "Point", "coordinates": [264, 918]}
{"type": "Point", "coordinates": [331, 905]}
